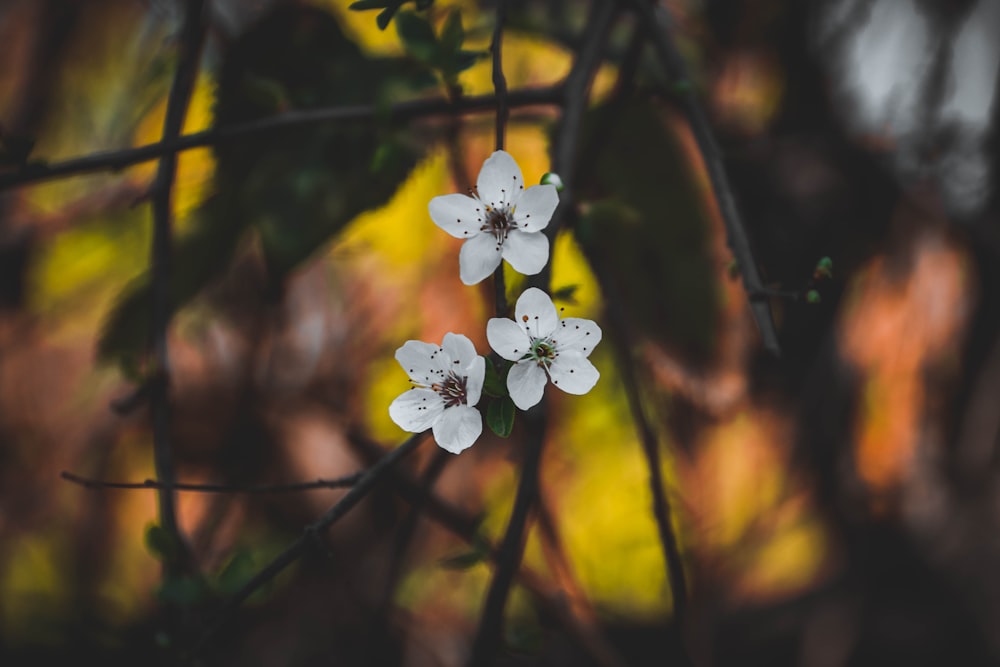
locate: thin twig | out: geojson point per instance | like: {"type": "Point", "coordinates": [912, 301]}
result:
{"type": "Point", "coordinates": [503, 112]}
{"type": "Point", "coordinates": [657, 23]}
{"type": "Point", "coordinates": [465, 526]}
{"type": "Point", "coordinates": [293, 487]}
{"type": "Point", "coordinates": [508, 559]}
{"type": "Point", "coordinates": [312, 533]}
{"type": "Point", "coordinates": [490, 631]}
{"type": "Point", "coordinates": [404, 111]}
{"type": "Point", "coordinates": [651, 449]}
{"type": "Point", "coordinates": [191, 38]}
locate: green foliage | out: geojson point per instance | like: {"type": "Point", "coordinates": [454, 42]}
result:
{"type": "Point", "coordinates": [160, 543]}
{"type": "Point", "coordinates": [238, 570]}
{"type": "Point", "coordinates": [479, 552]}
{"type": "Point", "coordinates": [388, 7]}
{"type": "Point", "coordinates": [443, 53]}
{"type": "Point", "coordinates": [296, 188]}
{"type": "Point", "coordinates": [500, 416]}
{"type": "Point", "coordinates": [644, 230]}
{"type": "Point", "coordinates": [495, 382]}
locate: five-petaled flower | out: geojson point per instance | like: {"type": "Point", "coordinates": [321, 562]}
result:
{"type": "Point", "coordinates": [504, 220]}
{"type": "Point", "coordinates": [447, 382]}
{"type": "Point", "coordinates": [540, 343]}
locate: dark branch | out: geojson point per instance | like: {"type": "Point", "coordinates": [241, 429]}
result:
{"type": "Point", "coordinates": [192, 36]}
{"type": "Point", "coordinates": [313, 532]}
{"type": "Point", "coordinates": [503, 112]}
{"type": "Point", "coordinates": [489, 633]}
{"type": "Point", "coordinates": [338, 483]}
{"type": "Point", "coordinates": [404, 111]}
{"type": "Point", "coordinates": [657, 23]}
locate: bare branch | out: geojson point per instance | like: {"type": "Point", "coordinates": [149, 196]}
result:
{"type": "Point", "coordinates": [404, 111]}
{"type": "Point", "coordinates": [656, 21]}
{"type": "Point", "coordinates": [293, 487]}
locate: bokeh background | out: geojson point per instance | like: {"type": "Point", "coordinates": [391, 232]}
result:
{"type": "Point", "coordinates": [834, 506]}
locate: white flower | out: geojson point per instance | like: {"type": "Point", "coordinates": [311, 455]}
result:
{"type": "Point", "coordinates": [447, 382]}
{"type": "Point", "coordinates": [502, 221]}
{"type": "Point", "coordinates": [543, 344]}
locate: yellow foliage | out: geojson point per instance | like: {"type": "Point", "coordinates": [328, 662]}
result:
{"type": "Point", "coordinates": [34, 587]}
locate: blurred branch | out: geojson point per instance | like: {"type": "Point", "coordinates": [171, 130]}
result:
{"type": "Point", "coordinates": [34, 172]}
{"type": "Point", "coordinates": [503, 112]}
{"type": "Point", "coordinates": [338, 483]}
{"type": "Point", "coordinates": [461, 524]}
{"type": "Point", "coordinates": [191, 39]}
{"type": "Point", "coordinates": [651, 449]}
{"type": "Point", "coordinates": [490, 631]}
{"type": "Point", "coordinates": [656, 20]}
{"type": "Point", "coordinates": [313, 532]}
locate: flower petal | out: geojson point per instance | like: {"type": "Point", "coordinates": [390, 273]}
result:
{"type": "Point", "coordinates": [459, 215]}
{"type": "Point", "coordinates": [527, 253]}
{"type": "Point", "coordinates": [507, 339]}
{"type": "Point", "coordinates": [535, 207]}
{"type": "Point", "coordinates": [577, 334]}
{"type": "Point", "coordinates": [573, 373]}
{"type": "Point", "coordinates": [526, 384]}
{"type": "Point", "coordinates": [425, 363]}
{"type": "Point", "coordinates": [475, 374]}
{"type": "Point", "coordinates": [535, 313]}
{"type": "Point", "coordinates": [458, 428]}
{"type": "Point", "coordinates": [460, 349]}
{"type": "Point", "coordinates": [500, 182]}
{"type": "Point", "coordinates": [416, 410]}
{"type": "Point", "coordinates": [479, 257]}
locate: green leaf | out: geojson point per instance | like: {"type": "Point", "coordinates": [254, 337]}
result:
{"type": "Point", "coordinates": [566, 294]}
{"type": "Point", "coordinates": [452, 34]}
{"type": "Point", "coordinates": [495, 384]}
{"type": "Point", "coordinates": [478, 552]}
{"type": "Point", "coordinates": [160, 543]}
{"type": "Point", "coordinates": [183, 591]}
{"type": "Point", "coordinates": [418, 37]}
{"type": "Point", "coordinates": [362, 5]}
{"type": "Point", "coordinates": [500, 416]}
{"type": "Point", "coordinates": [237, 572]}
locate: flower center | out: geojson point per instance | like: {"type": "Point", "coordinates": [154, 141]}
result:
{"type": "Point", "coordinates": [499, 223]}
{"type": "Point", "coordinates": [452, 389]}
{"type": "Point", "coordinates": [543, 351]}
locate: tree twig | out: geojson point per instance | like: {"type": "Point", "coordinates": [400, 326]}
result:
{"type": "Point", "coordinates": [656, 20]}
{"type": "Point", "coordinates": [312, 533]}
{"type": "Point", "coordinates": [115, 160]}
{"type": "Point", "coordinates": [191, 38]}
{"type": "Point", "coordinates": [490, 631]}
{"type": "Point", "coordinates": [503, 112]}
{"type": "Point", "coordinates": [293, 487]}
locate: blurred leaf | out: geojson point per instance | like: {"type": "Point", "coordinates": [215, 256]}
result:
{"type": "Point", "coordinates": [812, 296]}
{"type": "Point", "coordinates": [478, 552]}
{"type": "Point", "coordinates": [645, 231]}
{"type": "Point", "coordinates": [566, 294]}
{"type": "Point", "coordinates": [500, 416]}
{"type": "Point", "coordinates": [237, 572]}
{"type": "Point", "coordinates": [418, 37]}
{"type": "Point", "coordinates": [160, 543]}
{"type": "Point", "coordinates": [183, 591]}
{"type": "Point", "coordinates": [452, 34]}
{"type": "Point", "coordinates": [296, 187]}
{"type": "Point", "coordinates": [824, 268]}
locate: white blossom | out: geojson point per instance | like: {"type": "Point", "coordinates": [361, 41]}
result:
{"type": "Point", "coordinates": [503, 220]}
{"type": "Point", "coordinates": [543, 345]}
{"type": "Point", "coordinates": [447, 383]}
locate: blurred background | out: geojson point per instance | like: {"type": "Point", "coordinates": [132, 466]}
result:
{"type": "Point", "coordinates": [836, 505]}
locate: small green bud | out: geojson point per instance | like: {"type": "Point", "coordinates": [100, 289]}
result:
{"type": "Point", "coordinates": [552, 178]}
{"type": "Point", "coordinates": [812, 296]}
